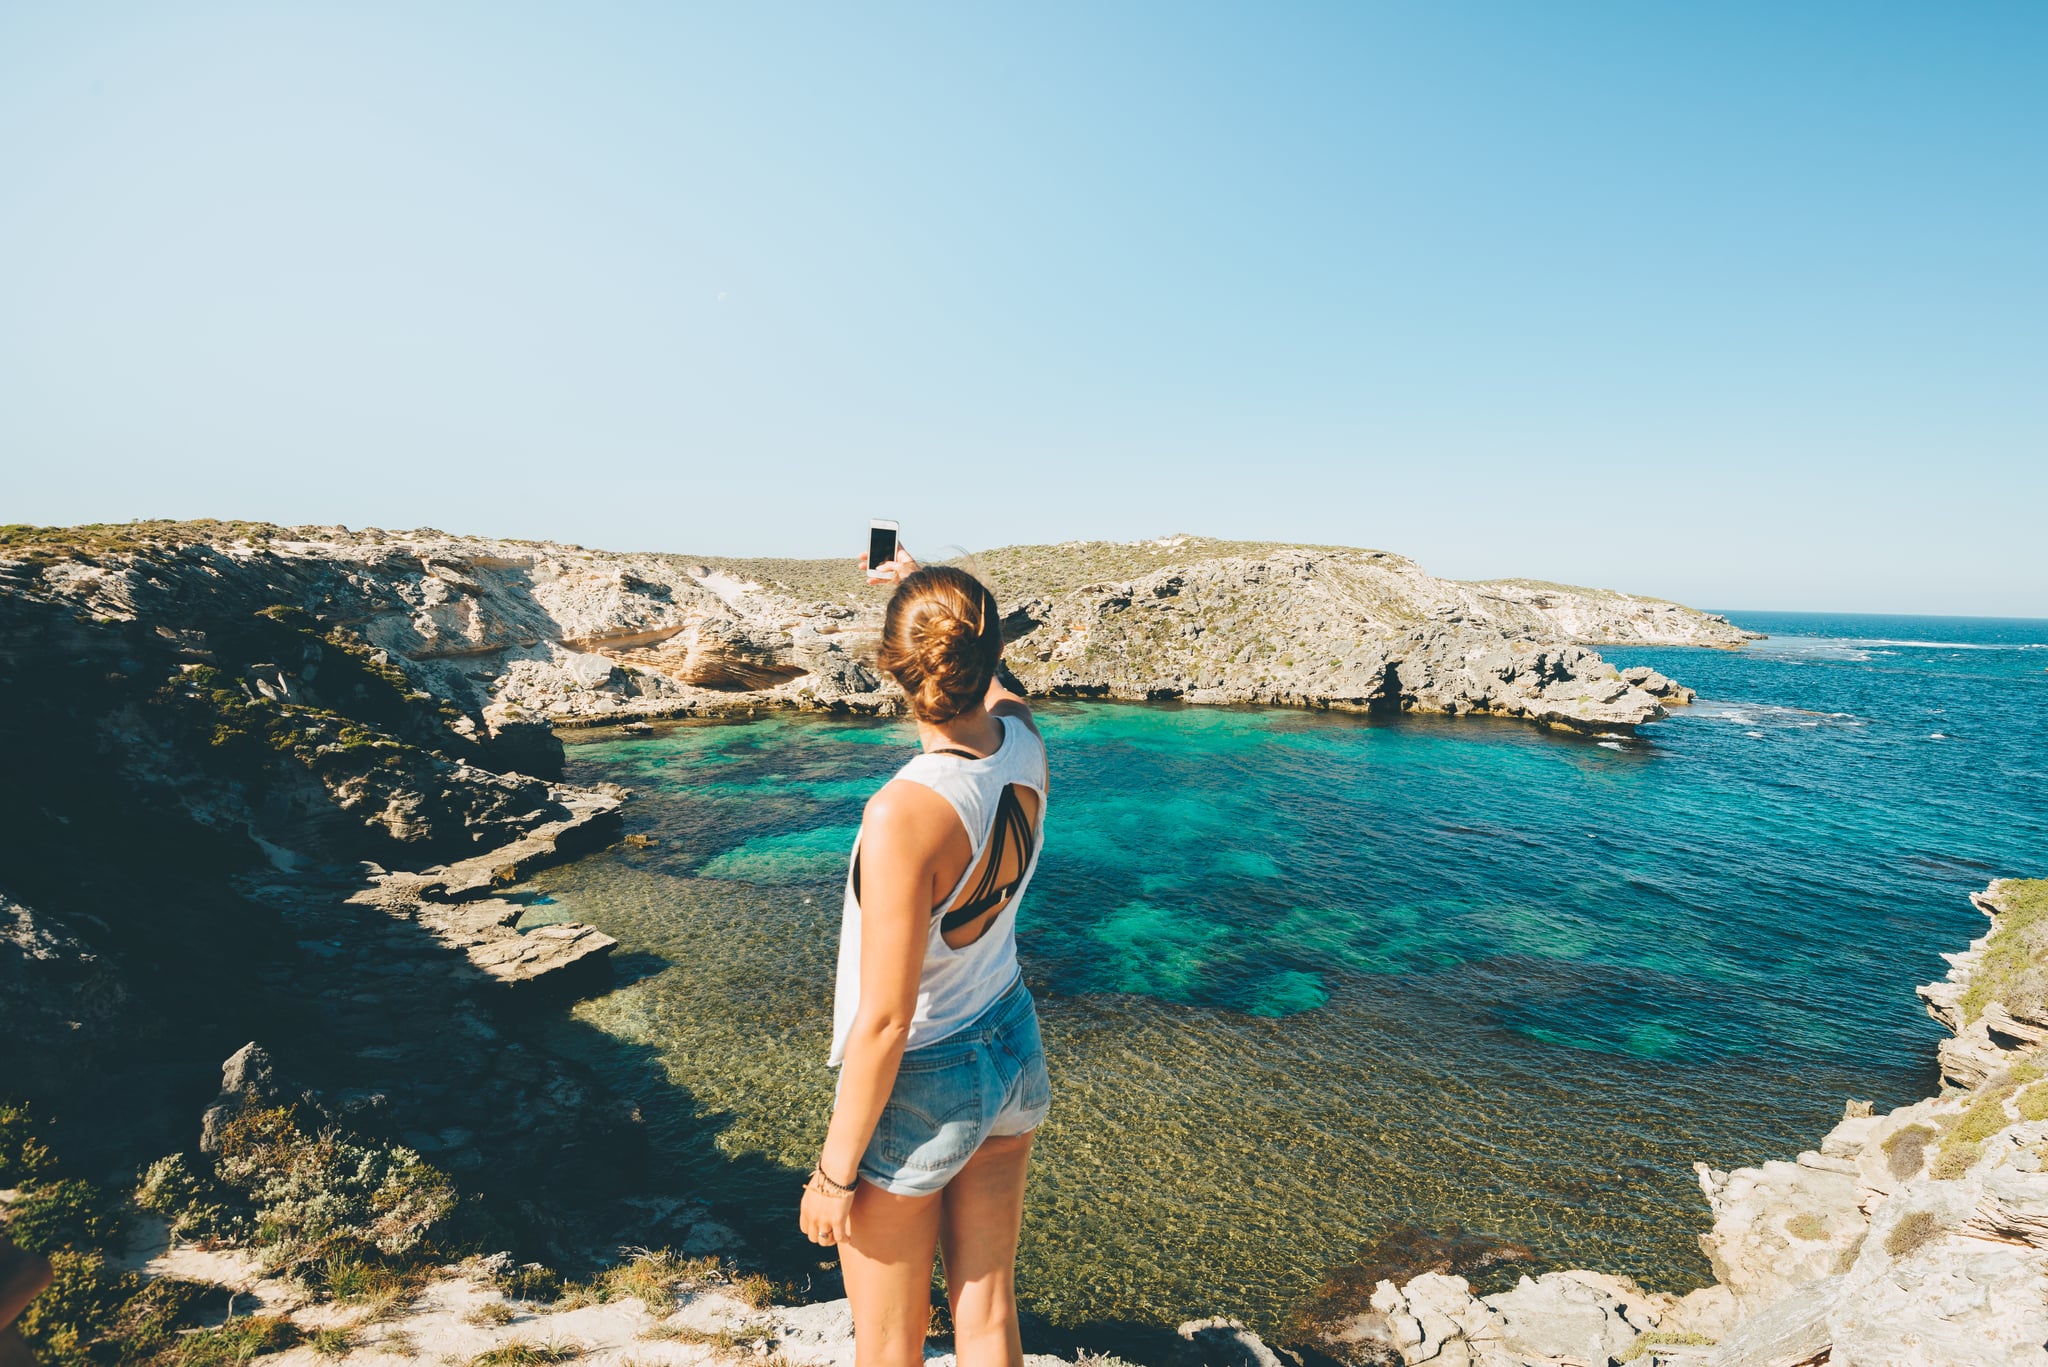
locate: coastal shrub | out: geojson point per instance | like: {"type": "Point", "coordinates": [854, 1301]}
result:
{"type": "Point", "coordinates": [66, 1214]}
{"type": "Point", "coordinates": [491, 1314]}
{"type": "Point", "coordinates": [2033, 1102]}
{"type": "Point", "coordinates": [1905, 1152]}
{"type": "Point", "coordinates": [318, 1194]}
{"type": "Point", "coordinates": [237, 1341]}
{"type": "Point", "coordinates": [1912, 1232]}
{"type": "Point", "coordinates": [2014, 969]}
{"type": "Point", "coordinates": [23, 1157]}
{"type": "Point", "coordinates": [198, 1208]}
{"type": "Point", "coordinates": [67, 1325]}
{"type": "Point", "coordinates": [1964, 1141]}
{"type": "Point", "coordinates": [146, 1326]}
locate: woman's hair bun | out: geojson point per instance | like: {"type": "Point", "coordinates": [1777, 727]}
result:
{"type": "Point", "coordinates": [942, 639]}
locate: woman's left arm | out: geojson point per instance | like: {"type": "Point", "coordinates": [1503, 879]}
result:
{"type": "Point", "coordinates": [903, 833]}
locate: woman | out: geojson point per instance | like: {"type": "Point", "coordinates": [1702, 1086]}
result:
{"type": "Point", "coordinates": [942, 1076]}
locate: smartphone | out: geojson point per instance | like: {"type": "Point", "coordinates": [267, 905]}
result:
{"type": "Point", "coordinates": [881, 543]}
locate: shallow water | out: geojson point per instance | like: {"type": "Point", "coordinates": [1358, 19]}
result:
{"type": "Point", "coordinates": [1304, 978]}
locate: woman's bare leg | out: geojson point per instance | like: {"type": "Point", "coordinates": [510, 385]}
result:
{"type": "Point", "coordinates": [887, 1263]}
{"type": "Point", "coordinates": [981, 1211]}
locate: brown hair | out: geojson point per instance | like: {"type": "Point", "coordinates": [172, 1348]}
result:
{"type": "Point", "coordinates": [942, 640]}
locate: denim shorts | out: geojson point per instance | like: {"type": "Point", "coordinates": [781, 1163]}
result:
{"type": "Point", "coordinates": [987, 1078]}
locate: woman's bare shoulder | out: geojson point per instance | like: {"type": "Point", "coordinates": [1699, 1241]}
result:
{"type": "Point", "coordinates": [909, 814]}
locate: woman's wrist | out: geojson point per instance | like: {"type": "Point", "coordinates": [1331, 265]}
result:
{"type": "Point", "coordinates": [840, 1172]}
{"type": "Point", "coordinates": [823, 1180]}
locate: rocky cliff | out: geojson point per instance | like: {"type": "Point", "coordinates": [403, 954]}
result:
{"type": "Point", "coordinates": [1918, 1237]}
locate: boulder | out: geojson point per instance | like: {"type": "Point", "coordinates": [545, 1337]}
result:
{"type": "Point", "coordinates": [1583, 1316]}
{"type": "Point", "coordinates": [248, 1078]}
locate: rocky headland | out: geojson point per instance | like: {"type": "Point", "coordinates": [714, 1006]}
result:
{"type": "Point", "coordinates": [503, 634]}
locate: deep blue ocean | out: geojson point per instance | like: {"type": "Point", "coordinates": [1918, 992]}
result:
{"type": "Point", "coordinates": [1306, 979]}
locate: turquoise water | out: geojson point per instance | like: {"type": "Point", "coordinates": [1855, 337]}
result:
{"type": "Point", "coordinates": [1307, 978]}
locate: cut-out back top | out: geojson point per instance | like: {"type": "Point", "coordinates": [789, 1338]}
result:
{"type": "Point", "coordinates": [955, 984]}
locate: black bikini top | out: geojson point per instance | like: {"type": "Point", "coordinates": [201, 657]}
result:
{"type": "Point", "coordinates": [1011, 824]}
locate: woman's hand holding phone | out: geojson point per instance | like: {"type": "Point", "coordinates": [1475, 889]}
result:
{"type": "Point", "coordinates": [890, 571]}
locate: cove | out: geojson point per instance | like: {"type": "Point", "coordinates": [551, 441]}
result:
{"type": "Point", "coordinates": [1307, 978]}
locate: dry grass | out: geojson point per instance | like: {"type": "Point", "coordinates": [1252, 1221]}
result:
{"type": "Point", "coordinates": [1911, 1232]}
{"type": "Point", "coordinates": [1905, 1153]}
{"type": "Point", "coordinates": [755, 1290]}
{"type": "Point", "coordinates": [521, 1353]}
{"type": "Point", "coordinates": [332, 1343]}
{"type": "Point", "coordinates": [1806, 1225]}
{"type": "Point", "coordinates": [491, 1313]}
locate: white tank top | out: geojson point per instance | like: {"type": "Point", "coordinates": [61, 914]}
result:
{"type": "Point", "coordinates": [955, 985]}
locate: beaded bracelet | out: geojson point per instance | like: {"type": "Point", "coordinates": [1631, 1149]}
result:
{"type": "Point", "coordinates": [826, 1186]}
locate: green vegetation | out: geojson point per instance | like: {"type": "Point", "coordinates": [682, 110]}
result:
{"type": "Point", "coordinates": [1911, 1232]}
{"type": "Point", "coordinates": [491, 1314]}
{"type": "Point", "coordinates": [46, 545]}
{"type": "Point", "coordinates": [531, 1282]}
{"type": "Point", "coordinates": [654, 1277]}
{"type": "Point", "coordinates": [2033, 1102]}
{"type": "Point", "coordinates": [316, 1196]}
{"type": "Point", "coordinates": [194, 1206]}
{"type": "Point", "coordinates": [332, 1343]}
{"type": "Point", "coordinates": [65, 1214]}
{"type": "Point", "coordinates": [523, 1354]}
{"type": "Point", "coordinates": [23, 1157]}
{"type": "Point", "coordinates": [1964, 1138]}
{"type": "Point", "coordinates": [236, 1342]}
{"type": "Point", "coordinates": [2014, 969]}
{"type": "Point", "coordinates": [717, 1340]}
{"type": "Point", "coordinates": [351, 1218]}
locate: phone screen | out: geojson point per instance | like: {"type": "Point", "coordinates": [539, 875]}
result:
{"type": "Point", "coordinates": [881, 546]}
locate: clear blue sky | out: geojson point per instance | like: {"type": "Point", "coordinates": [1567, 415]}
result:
{"type": "Point", "coordinates": [1745, 304]}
